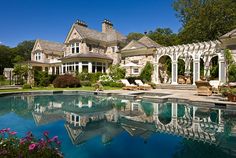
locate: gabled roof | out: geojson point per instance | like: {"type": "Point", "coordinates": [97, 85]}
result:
{"type": "Point", "coordinates": [50, 47]}
{"type": "Point", "coordinates": [229, 34]}
{"type": "Point", "coordinates": [144, 42]}
{"type": "Point", "coordinates": [149, 42]}
{"type": "Point", "coordinates": [87, 33]}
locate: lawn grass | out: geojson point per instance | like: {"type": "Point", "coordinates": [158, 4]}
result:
{"type": "Point", "coordinates": [84, 88]}
{"type": "Point", "coordinates": [4, 82]}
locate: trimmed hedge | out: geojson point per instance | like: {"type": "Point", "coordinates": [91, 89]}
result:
{"type": "Point", "coordinates": [64, 81]}
{"type": "Point", "coordinates": [26, 86]}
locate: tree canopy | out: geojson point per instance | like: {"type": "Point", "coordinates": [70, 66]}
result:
{"type": "Point", "coordinates": [10, 56]}
{"type": "Point", "coordinates": [204, 20]}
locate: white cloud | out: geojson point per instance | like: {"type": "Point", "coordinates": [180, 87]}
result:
{"type": "Point", "coordinates": [0, 42]}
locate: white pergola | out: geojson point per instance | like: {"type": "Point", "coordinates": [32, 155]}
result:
{"type": "Point", "coordinates": [191, 53]}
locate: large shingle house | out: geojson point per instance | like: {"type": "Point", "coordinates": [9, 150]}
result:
{"type": "Point", "coordinates": [84, 50]}
{"type": "Point", "coordinates": [88, 50]}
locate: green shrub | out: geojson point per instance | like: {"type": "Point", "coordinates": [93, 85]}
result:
{"type": "Point", "coordinates": [92, 77]}
{"type": "Point", "coordinates": [116, 84]}
{"type": "Point", "coordinates": [86, 83]}
{"type": "Point", "coordinates": [26, 86]}
{"type": "Point", "coordinates": [116, 72]}
{"type": "Point", "coordinates": [98, 86]}
{"type": "Point", "coordinates": [64, 81]}
{"type": "Point", "coordinates": [105, 78]}
{"type": "Point", "coordinates": [146, 74]}
{"type": "Point", "coordinates": [28, 146]}
{"type": "Point", "coordinates": [232, 73]}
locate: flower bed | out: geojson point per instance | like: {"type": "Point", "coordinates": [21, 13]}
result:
{"type": "Point", "coordinates": [28, 146]}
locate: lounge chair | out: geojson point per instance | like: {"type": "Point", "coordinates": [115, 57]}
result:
{"type": "Point", "coordinates": [142, 86]}
{"type": "Point", "coordinates": [215, 85]}
{"type": "Point", "coordinates": [128, 86]}
{"type": "Point", "coordinates": [204, 88]}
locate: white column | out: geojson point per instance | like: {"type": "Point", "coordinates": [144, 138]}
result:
{"type": "Point", "coordinates": [174, 72]}
{"type": "Point", "coordinates": [90, 67]}
{"type": "Point", "coordinates": [50, 70]}
{"type": "Point", "coordinates": [74, 66]}
{"type": "Point", "coordinates": [62, 67]}
{"type": "Point", "coordinates": [156, 73]}
{"type": "Point", "coordinates": [106, 67]}
{"type": "Point", "coordinates": [80, 67]}
{"type": "Point", "coordinates": [196, 71]}
{"type": "Point", "coordinates": [222, 71]}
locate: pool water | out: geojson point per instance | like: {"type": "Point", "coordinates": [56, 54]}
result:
{"type": "Point", "coordinates": [98, 126]}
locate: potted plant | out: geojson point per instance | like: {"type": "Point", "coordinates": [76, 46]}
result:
{"type": "Point", "coordinates": [232, 95]}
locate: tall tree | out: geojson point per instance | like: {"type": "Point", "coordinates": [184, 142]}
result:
{"type": "Point", "coordinates": [204, 20]}
{"type": "Point", "coordinates": [134, 36]}
{"type": "Point", "coordinates": [164, 36]}
{"type": "Point", "coordinates": [5, 58]}
{"type": "Point", "coordinates": [24, 49]}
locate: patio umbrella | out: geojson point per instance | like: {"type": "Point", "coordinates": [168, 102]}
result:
{"type": "Point", "coordinates": [130, 65]}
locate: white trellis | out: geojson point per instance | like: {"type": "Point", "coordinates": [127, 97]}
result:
{"type": "Point", "coordinates": [191, 53]}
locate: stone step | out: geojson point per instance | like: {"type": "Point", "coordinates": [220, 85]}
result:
{"type": "Point", "coordinates": [177, 87]}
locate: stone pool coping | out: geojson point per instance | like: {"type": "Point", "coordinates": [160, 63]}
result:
{"type": "Point", "coordinates": [155, 95]}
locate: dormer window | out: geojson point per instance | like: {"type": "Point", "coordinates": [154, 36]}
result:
{"type": "Point", "coordinates": [38, 56]}
{"type": "Point", "coordinates": [74, 48]}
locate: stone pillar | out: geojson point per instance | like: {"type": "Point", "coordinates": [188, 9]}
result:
{"type": "Point", "coordinates": [90, 68]}
{"type": "Point", "coordinates": [80, 67]}
{"type": "Point", "coordinates": [196, 71]}
{"type": "Point", "coordinates": [174, 72]}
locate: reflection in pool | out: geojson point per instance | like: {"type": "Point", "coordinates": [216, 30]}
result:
{"type": "Point", "coordinates": [96, 126]}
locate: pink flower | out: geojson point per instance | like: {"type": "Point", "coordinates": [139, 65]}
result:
{"type": "Point", "coordinates": [58, 142]}
{"type": "Point", "coordinates": [22, 141]}
{"type": "Point", "coordinates": [45, 133]}
{"type": "Point", "coordinates": [55, 138]}
{"type": "Point", "coordinates": [12, 133]}
{"type": "Point", "coordinates": [32, 146]}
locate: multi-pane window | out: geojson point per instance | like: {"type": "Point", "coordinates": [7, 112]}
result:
{"type": "Point", "coordinates": [135, 70]}
{"type": "Point", "coordinates": [38, 56]}
{"type": "Point", "coordinates": [74, 48]}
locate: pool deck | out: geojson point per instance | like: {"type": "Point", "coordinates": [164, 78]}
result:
{"type": "Point", "coordinates": [155, 95]}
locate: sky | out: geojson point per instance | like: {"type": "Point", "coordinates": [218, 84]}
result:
{"type": "Point", "coordinates": [51, 19]}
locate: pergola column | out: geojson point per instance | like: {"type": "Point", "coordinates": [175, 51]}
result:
{"type": "Point", "coordinates": [196, 71]}
{"type": "Point", "coordinates": [174, 72]}
{"type": "Point", "coordinates": [206, 68]}
{"type": "Point", "coordinates": [106, 67]}
{"type": "Point", "coordinates": [156, 73]}
{"type": "Point", "coordinates": [222, 71]}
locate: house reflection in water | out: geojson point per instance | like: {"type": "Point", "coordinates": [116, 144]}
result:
{"type": "Point", "coordinates": [87, 117]}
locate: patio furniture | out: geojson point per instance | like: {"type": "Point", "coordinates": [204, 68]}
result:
{"type": "Point", "coordinates": [215, 85]}
{"type": "Point", "coordinates": [204, 88]}
{"type": "Point", "coordinates": [142, 86]}
{"type": "Point", "coordinates": [128, 86]}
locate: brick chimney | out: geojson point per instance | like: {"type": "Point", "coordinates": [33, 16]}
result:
{"type": "Point", "coordinates": [107, 26]}
{"type": "Point", "coordinates": [81, 23]}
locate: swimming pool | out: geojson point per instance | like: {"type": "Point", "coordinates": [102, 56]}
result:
{"type": "Point", "coordinates": [101, 126]}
